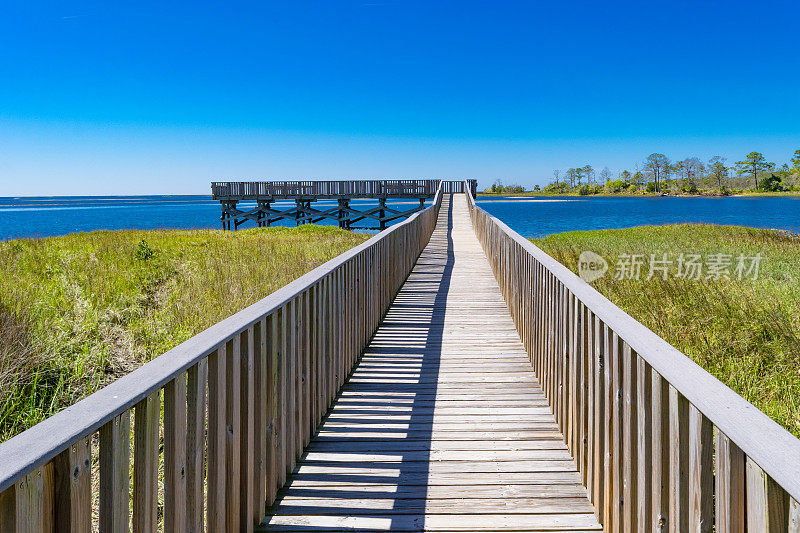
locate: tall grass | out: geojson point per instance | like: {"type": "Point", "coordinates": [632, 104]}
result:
{"type": "Point", "coordinates": [76, 312]}
{"type": "Point", "coordinates": [745, 332]}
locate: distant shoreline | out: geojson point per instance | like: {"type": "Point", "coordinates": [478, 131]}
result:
{"type": "Point", "coordinates": [530, 194]}
{"type": "Point", "coordinates": [108, 197]}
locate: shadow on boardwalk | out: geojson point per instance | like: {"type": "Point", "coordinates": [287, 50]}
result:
{"type": "Point", "coordinates": [442, 426]}
{"type": "Point", "coordinates": [375, 442]}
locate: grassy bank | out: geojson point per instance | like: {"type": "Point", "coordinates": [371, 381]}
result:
{"type": "Point", "coordinates": [641, 194]}
{"type": "Point", "coordinates": [76, 312]}
{"type": "Point", "coordinates": [745, 332]}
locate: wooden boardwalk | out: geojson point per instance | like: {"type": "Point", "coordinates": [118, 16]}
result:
{"type": "Point", "coordinates": [442, 426]}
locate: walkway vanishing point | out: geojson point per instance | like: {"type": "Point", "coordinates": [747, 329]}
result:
{"type": "Point", "coordinates": [442, 425]}
{"type": "Point", "coordinates": [444, 375]}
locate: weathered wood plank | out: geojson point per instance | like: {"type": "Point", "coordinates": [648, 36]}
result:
{"type": "Point", "coordinates": [661, 453]}
{"type": "Point", "coordinates": [630, 448]}
{"type": "Point", "coordinates": [145, 463]}
{"type": "Point", "coordinates": [217, 437]}
{"type": "Point", "coordinates": [602, 423]}
{"type": "Point", "coordinates": [115, 483]}
{"type": "Point", "coordinates": [197, 379]}
{"type": "Point", "coordinates": [678, 461]}
{"type": "Point", "coordinates": [280, 395]}
{"type": "Point", "coordinates": [365, 506]}
{"type": "Point", "coordinates": [30, 507]}
{"type": "Point", "coordinates": [273, 467]}
{"type": "Point", "coordinates": [615, 438]}
{"type": "Point", "coordinates": [730, 486]}
{"type": "Point", "coordinates": [246, 423]}
{"type": "Point", "coordinates": [577, 523]}
{"type": "Point", "coordinates": [644, 444]}
{"type": "Point", "coordinates": [290, 376]}
{"type": "Point", "coordinates": [175, 464]}
{"type": "Point", "coordinates": [768, 504]}
{"type": "Point", "coordinates": [260, 417]}
{"type": "Point", "coordinates": [73, 488]}
{"type": "Point", "coordinates": [233, 437]}
{"type": "Point", "coordinates": [701, 477]}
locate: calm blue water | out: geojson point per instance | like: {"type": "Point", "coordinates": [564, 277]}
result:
{"type": "Point", "coordinates": [535, 217]}
{"type": "Point", "coordinates": [41, 217]}
{"type": "Point", "coordinates": [48, 216]}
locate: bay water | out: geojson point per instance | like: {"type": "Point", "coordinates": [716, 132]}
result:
{"type": "Point", "coordinates": [530, 216]}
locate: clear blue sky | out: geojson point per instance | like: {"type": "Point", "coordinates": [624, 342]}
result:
{"type": "Point", "coordinates": [139, 97]}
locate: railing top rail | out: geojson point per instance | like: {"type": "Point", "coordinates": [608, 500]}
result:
{"type": "Point", "coordinates": [762, 439]}
{"type": "Point", "coordinates": [32, 448]}
{"type": "Point", "coordinates": [368, 188]}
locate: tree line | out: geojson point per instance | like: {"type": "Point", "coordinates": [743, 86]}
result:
{"type": "Point", "coordinates": [659, 174]}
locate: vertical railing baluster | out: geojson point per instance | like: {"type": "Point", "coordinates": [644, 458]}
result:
{"type": "Point", "coordinates": [233, 434]}
{"type": "Point", "coordinates": [115, 485]}
{"type": "Point", "coordinates": [197, 378]}
{"type": "Point", "coordinates": [73, 488]}
{"type": "Point", "coordinates": [260, 418]}
{"type": "Point", "coordinates": [175, 432]}
{"type": "Point", "coordinates": [678, 461]}
{"type": "Point", "coordinates": [290, 369]}
{"type": "Point", "coordinates": [246, 425]}
{"type": "Point", "coordinates": [145, 464]}
{"type": "Point", "coordinates": [729, 491]}
{"type": "Point", "coordinates": [768, 505]}
{"type": "Point", "coordinates": [600, 420]}
{"type": "Point", "coordinates": [644, 444]}
{"type": "Point", "coordinates": [217, 435]}
{"type": "Point", "coordinates": [701, 476]}
{"type": "Point", "coordinates": [661, 453]}
{"type": "Point", "coordinates": [591, 408]}
{"type": "Point", "coordinates": [630, 449]}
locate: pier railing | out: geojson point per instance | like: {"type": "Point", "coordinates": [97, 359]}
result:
{"type": "Point", "coordinates": [254, 190]}
{"type": "Point", "coordinates": [661, 444]}
{"type": "Point", "coordinates": [232, 408]}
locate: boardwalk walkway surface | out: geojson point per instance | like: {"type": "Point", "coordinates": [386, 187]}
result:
{"type": "Point", "coordinates": [442, 426]}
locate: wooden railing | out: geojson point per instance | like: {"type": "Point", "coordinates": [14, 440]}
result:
{"type": "Point", "coordinates": [459, 187]}
{"type": "Point", "coordinates": [239, 400]}
{"type": "Point", "coordinates": [661, 444]}
{"type": "Point", "coordinates": [251, 190]}
{"type": "Point", "coordinates": [292, 189]}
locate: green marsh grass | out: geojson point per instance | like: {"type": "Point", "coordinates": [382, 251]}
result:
{"type": "Point", "coordinates": [745, 332]}
{"type": "Point", "coordinates": [77, 312]}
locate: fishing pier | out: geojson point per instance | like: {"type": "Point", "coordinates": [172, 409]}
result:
{"type": "Point", "coordinates": [306, 193]}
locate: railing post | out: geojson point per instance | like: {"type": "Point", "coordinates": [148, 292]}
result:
{"type": "Point", "coordinates": [701, 453]}
{"type": "Point", "coordinates": [73, 488]}
{"type": "Point", "coordinates": [233, 434]}
{"type": "Point", "coordinates": [644, 444]}
{"type": "Point", "coordinates": [195, 445]}
{"type": "Point", "coordinates": [145, 464]}
{"type": "Point", "coordinates": [678, 461]}
{"type": "Point", "coordinates": [246, 424]}
{"type": "Point", "coordinates": [730, 486]}
{"type": "Point", "coordinates": [217, 430]}
{"type": "Point", "coordinates": [261, 408]}
{"type": "Point", "coordinates": [630, 448]}
{"type": "Point", "coordinates": [175, 432]}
